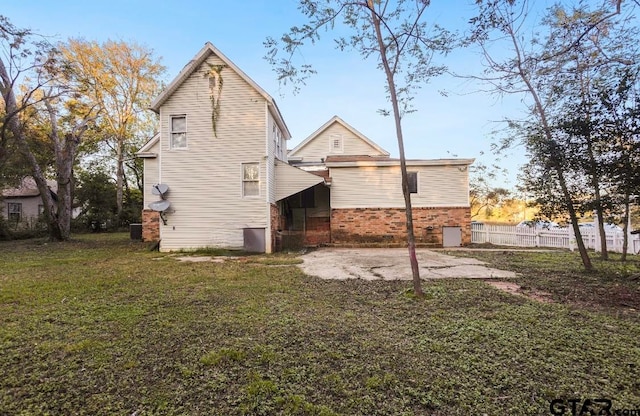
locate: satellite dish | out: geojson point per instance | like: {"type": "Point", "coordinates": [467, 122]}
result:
{"type": "Point", "coordinates": [160, 205]}
{"type": "Point", "coordinates": [159, 189]}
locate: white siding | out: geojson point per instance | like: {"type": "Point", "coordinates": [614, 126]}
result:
{"type": "Point", "coordinates": [380, 187]}
{"type": "Point", "coordinates": [151, 175]}
{"type": "Point", "coordinates": [273, 132]}
{"type": "Point", "coordinates": [29, 206]}
{"type": "Point", "coordinates": [291, 180]}
{"type": "Point", "coordinates": [205, 180]}
{"type": "Point", "coordinates": [320, 146]}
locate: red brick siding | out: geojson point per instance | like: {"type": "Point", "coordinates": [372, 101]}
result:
{"type": "Point", "coordinates": [150, 225]}
{"type": "Point", "coordinates": [387, 225]}
{"type": "Point", "coordinates": [276, 219]}
{"type": "Point", "coordinates": [318, 231]}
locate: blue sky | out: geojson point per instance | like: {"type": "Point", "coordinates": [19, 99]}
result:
{"type": "Point", "coordinates": [459, 124]}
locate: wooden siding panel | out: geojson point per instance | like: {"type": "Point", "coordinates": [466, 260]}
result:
{"type": "Point", "coordinates": [380, 187]}
{"type": "Point", "coordinates": [205, 180]}
{"type": "Point", "coordinates": [151, 176]}
{"type": "Point", "coordinates": [319, 147]}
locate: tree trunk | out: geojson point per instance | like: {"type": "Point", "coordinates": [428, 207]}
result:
{"type": "Point", "coordinates": [119, 174]}
{"type": "Point", "coordinates": [411, 241]}
{"type": "Point", "coordinates": [627, 213]}
{"type": "Point", "coordinates": [554, 160]}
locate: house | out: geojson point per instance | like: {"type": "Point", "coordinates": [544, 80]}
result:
{"type": "Point", "coordinates": [218, 174]}
{"type": "Point", "coordinates": [217, 153]}
{"type": "Point", "coordinates": [365, 204]}
{"type": "Point", "coordinates": [23, 205]}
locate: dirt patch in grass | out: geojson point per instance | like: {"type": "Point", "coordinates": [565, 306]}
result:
{"type": "Point", "coordinates": [516, 289]}
{"type": "Point", "coordinates": [613, 285]}
{"type": "Point", "coordinates": [103, 326]}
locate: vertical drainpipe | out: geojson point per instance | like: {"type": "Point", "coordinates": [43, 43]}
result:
{"type": "Point", "coordinates": [160, 143]}
{"type": "Point", "coordinates": [267, 231]}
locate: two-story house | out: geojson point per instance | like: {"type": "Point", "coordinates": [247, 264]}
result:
{"type": "Point", "coordinates": [225, 179]}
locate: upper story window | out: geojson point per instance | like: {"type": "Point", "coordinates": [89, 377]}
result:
{"type": "Point", "coordinates": [412, 179]}
{"type": "Point", "coordinates": [178, 132]}
{"type": "Point", "coordinates": [14, 211]}
{"type": "Point", "coordinates": [336, 144]}
{"type": "Point", "coordinates": [250, 179]}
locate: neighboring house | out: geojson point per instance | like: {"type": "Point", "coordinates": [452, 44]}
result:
{"type": "Point", "coordinates": [227, 180]}
{"type": "Point", "coordinates": [23, 204]}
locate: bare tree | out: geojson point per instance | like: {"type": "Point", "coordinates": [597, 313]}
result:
{"type": "Point", "coordinates": [393, 33]}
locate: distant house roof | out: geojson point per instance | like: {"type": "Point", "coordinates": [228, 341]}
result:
{"type": "Point", "coordinates": [27, 188]}
{"type": "Point", "coordinates": [336, 119]}
{"type": "Point", "coordinates": [195, 63]}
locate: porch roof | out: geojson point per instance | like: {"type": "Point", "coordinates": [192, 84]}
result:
{"type": "Point", "coordinates": [291, 180]}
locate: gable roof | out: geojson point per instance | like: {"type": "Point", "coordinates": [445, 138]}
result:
{"type": "Point", "coordinates": [325, 126]}
{"type": "Point", "coordinates": [28, 188]}
{"type": "Point", "coordinates": [195, 63]}
{"type": "Point", "coordinates": [145, 150]}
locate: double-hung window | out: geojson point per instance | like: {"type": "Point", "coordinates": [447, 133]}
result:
{"type": "Point", "coordinates": [179, 132]}
{"type": "Point", "coordinates": [250, 179]}
{"type": "Point", "coordinates": [14, 211]}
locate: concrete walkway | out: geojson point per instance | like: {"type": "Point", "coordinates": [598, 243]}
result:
{"type": "Point", "coordinates": [393, 264]}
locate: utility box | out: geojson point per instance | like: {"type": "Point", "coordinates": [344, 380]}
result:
{"type": "Point", "coordinates": [135, 231]}
{"type": "Point", "coordinates": [254, 240]}
{"type": "Point", "coordinates": [451, 236]}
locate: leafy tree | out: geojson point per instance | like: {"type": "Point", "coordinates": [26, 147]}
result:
{"type": "Point", "coordinates": [120, 79]}
{"type": "Point", "coordinates": [396, 36]}
{"type": "Point", "coordinates": [540, 70]}
{"type": "Point", "coordinates": [617, 115]}
{"type": "Point", "coordinates": [41, 111]}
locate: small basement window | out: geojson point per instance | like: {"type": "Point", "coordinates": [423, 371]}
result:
{"type": "Point", "coordinates": [412, 179]}
{"type": "Point", "coordinates": [250, 179]}
{"type": "Point", "coordinates": [178, 132]}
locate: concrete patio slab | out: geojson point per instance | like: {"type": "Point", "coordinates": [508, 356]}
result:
{"type": "Point", "coordinates": [393, 264]}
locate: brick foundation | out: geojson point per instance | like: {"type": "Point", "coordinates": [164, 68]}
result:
{"type": "Point", "coordinates": [150, 225]}
{"type": "Point", "coordinates": [361, 226]}
{"type": "Point", "coordinates": [318, 231]}
{"type": "Point", "coordinates": [276, 226]}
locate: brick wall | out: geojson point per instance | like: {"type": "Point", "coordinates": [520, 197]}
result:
{"type": "Point", "coordinates": [387, 225]}
{"type": "Point", "coordinates": [276, 225]}
{"type": "Point", "coordinates": [318, 231]}
{"type": "Point", "coordinates": [150, 225]}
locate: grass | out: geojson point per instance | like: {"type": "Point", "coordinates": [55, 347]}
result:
{"type": "Point", "coordinates": [103, 326]}
{"type": "Point", "coordinates": [613, 285]}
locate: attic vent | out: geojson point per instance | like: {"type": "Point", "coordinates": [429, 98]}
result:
{"type": "Point", "coordinates": [336, 144]}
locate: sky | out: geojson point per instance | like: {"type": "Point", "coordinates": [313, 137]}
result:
{"type": "Point", "coordinates": [458, 124]}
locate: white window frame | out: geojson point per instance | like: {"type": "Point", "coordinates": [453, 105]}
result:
{"type": "Point", "coordinates": [417, 181]}
{"type": "Point", "coordinates": [11, 211]}
{"type": "Point", "coordinates": [249, 180]}
{"type": "Point", "coordinates": [172, 146]}
{"type": "Point", "coordinates": [333, 139]}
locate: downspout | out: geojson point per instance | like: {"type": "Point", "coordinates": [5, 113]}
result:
{"type": "Point", "coordinates": [267, 233]}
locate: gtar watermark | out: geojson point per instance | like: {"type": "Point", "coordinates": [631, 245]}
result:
{"type": "Point", "coordinates": [588, 407]}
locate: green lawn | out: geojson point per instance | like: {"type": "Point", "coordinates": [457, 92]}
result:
{"type": "Point", "coordinates": [101, 326]}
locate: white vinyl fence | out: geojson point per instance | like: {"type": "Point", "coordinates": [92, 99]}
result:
{"type": "Point", "coordinates": [510, 235]}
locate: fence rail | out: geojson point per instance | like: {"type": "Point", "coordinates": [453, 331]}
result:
{"type": "Point", "coordinates": [510, 235]}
